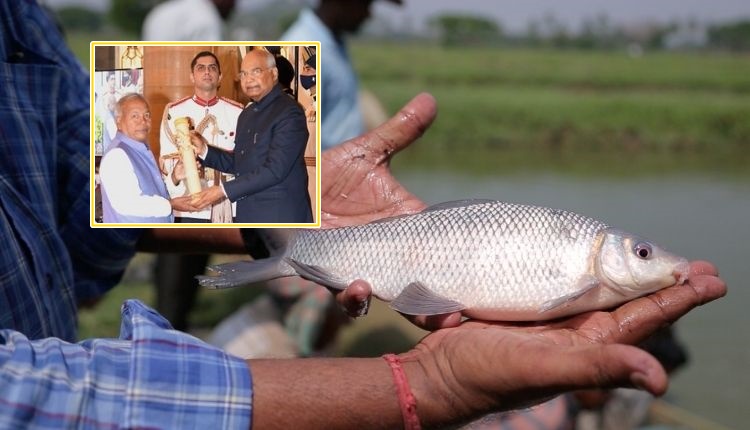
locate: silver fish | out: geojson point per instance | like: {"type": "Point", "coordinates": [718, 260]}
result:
{"type": "Point", "coordinates": [488, 259]}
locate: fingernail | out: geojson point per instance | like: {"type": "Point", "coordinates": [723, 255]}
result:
{"type": "Point", "coordinates": [363, 308]}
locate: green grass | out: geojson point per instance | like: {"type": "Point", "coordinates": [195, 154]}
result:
{"type": "Point", "coordinates": [103, 319]}
{"type": "Point", "coordinates": [536, 107]}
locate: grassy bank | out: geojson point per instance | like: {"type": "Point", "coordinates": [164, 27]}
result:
{"type": "Point", "coordinates": [535, 107]}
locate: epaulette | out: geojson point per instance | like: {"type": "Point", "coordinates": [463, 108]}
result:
{"type": "Point", "coordinates": [177, 102]}
{"type": "Point", "coordinates": [231, 102]}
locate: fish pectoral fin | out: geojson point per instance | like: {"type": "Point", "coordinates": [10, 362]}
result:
{"type": "Point", "coordinates": [417, 299]}
{"type": "Point", "coordinates": [317, 274]}
{"type": "Point", "coordinates": [585, 284]}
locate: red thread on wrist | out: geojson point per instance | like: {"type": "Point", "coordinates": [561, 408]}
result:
{"type": "Point", "coordinates": [406, 400]}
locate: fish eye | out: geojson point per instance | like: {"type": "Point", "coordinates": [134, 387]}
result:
{"type": "Point", "coordinates": [643, 250]}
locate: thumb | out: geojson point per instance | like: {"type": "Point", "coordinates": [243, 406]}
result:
{"type": "Point", "coordinates": [399, 131]}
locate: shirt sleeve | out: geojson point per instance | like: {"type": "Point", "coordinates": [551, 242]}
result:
{"type": "Point", "coordinates": [151, 377]}
{"type": "Point", "coordinates": [125, 195]}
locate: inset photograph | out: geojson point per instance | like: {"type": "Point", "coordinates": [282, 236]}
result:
{"type": "Point", "coordinates": [204, 135]}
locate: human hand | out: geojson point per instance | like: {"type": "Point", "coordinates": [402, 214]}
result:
{"type": "Point", "coordinates": [199, 142]}
{"type": "Point", "coordinates": [485, 367]}
{"type": "Point", "coordinates": [208, 197]}
{"type": "Point", "coordinates": [178, 173]}
{"type": "Point", "coordinates": [356, 181]}
{"type": "Point", "coordinates": [183, 204]}
{"type": "Point", "coordinates": [355, 302]}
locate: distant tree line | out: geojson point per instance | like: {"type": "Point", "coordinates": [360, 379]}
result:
{"type": "Point", "coordinates": [598, 32]}
{"type": "Point", "coordinates": [452, 29]}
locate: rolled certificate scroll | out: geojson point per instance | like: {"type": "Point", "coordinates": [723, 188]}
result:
{"type": "Point", "coordinates": [193, 181]}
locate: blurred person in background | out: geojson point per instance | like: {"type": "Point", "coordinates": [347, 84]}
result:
{"type": "Point", "coordinates": [184, 20]}
{"type": "Point", "coordinates": [187, 20]}
{"type": "Point", "coordinates": [341, 113]}
{"type": "Point", "coordinates": [307, 81]}
{"type": "Point", "coordinates": [286, 74]}
{"type": "Point", "coordinates": [215, 118]}
{"type": "Point", "coordinates": [310, 317]}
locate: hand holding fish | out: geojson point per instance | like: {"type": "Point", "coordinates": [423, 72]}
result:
{"type": "Point", "coordinates": [461, 373]}
{"type": "Point", "coordinates": [511, 365]}
{"type": "Point", "coordinates": [478, 367]}
{"type": "Point", "coordinates": [487, 259]}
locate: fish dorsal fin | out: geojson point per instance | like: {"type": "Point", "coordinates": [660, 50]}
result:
{"type": "Point", "coordinates": [390, 218]}
{"type": "Point", "coordinates": [437, 207]}
{"type": "Point", "coordinates": [417, 299]}
{"type": "Point", "coordinates": [458, 204]}
{"type": "Point", "coordinates": [585, 284]}
{"type": "Point", "coordinates": [317, 274]}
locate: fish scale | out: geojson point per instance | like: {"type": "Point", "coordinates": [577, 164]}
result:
{"type": "Point", "coordinates": [493, 255]}
{"type": "Point", "coordinates": [488, 259]}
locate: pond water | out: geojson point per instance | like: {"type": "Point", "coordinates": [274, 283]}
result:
{"type": "Point", "coordinates": [697, 217]}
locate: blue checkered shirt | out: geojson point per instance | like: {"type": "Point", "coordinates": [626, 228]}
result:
{"type": "Point", "coordinates": [50, 258]}
{"type": "Point", "coordinates": [152, 377]}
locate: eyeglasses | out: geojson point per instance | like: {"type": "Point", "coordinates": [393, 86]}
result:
{"type": "Point", "coordinates": [254, 73]}
{"type": "Point", "coordinates": [213, 68]}
{"type": "Point", "coordinates": [146, 116]}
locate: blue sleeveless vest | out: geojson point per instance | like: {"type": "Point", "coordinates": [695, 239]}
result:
{"type": "Point", "coordinates": [149, 179]}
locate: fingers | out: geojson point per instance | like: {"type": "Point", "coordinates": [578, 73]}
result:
{"type": "Point", "coordinates": [609, 366]}
{"type": "Point", "coordinates": [355, 299]}
{"type": "Point", "coordinates": [435, 322]}
{"type": "Point", "coordinates": [198, 141]}
{"type": "Point", "coordinates": [700, 267]}
{"type": "Point", "coordinates": [355, 302]}
{"type": "Point", "coordinates": [639, 318]}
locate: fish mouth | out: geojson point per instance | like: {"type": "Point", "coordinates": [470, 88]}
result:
{"type": "Point", "coordinates": [680, 272]}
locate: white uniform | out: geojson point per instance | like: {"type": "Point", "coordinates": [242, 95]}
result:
{"type": "Point", "coordinates": [216, 120]}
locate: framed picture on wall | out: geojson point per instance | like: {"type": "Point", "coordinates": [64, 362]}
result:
{"type": "Point", "coordinates": [109, 86]}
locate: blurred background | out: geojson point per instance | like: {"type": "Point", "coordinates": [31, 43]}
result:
{"type": "Point", "coordinates": [633, 112]}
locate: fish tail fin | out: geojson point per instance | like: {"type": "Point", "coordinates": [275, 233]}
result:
{"type": "Point", "coordinates": [239, 273]}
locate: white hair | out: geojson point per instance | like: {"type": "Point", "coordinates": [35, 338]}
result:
{"type": "Point", "coordinates": [124, 99]}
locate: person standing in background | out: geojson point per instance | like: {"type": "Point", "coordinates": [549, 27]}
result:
{"type": "Point", "coordinates": [307, 81]}
{"type": "Point", "coordinates": [183, 20]}
{"type": "Point", "coordinates": [216, 118]}
{"type": "Point", "coordinates": [341, 115]}
{"type": "Point", "coordinates": [187, 20]}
